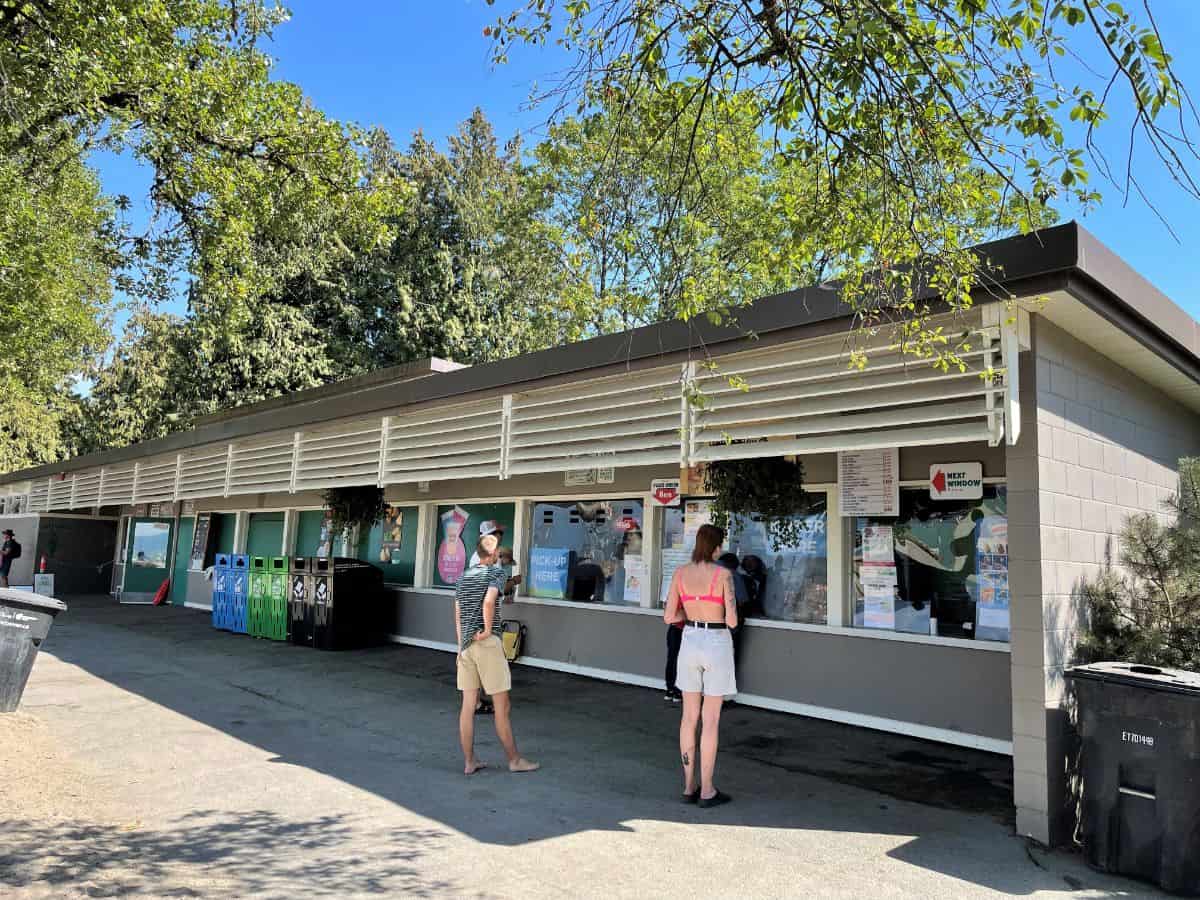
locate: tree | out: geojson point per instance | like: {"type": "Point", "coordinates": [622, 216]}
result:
{"type": "Point", "coordinates": [900, 111]}
{"type": "Point", "coordinates": [168, 370]}
{"type": "Point", "coordinates": [57, 252]}
{"type": "Point", "coordinates": [1148, 610]}
{"type": "Point", "coordinates": [467, 274]}
{"type": "Point", "coordinates": [251, 184]}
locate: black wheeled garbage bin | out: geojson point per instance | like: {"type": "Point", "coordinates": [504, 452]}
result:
{"type": "Point", "coordinates": [25, 620]}
{"type": "Point", "coordinates": [1140, 768]}
{"type": "Point", "coordinates": [348, 604]}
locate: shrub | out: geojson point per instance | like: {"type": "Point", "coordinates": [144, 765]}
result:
{"type": "Point", "coordinates": [1148, 610]}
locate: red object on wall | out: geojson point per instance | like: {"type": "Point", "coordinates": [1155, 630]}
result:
{"type": "Point", "coordinates": [42, 564]}
{"type": "Point", "coordinates": [160, 596]}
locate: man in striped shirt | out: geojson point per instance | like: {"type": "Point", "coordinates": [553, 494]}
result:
{"type": "Point", "coordinates": [481, 662]}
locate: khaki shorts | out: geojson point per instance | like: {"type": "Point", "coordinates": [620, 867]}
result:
{"type": "Point", "coordinates": [483, 665]}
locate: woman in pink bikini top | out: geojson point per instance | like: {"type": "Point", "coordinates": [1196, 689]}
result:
{"type": "Point", "coordinates": [701, 596]}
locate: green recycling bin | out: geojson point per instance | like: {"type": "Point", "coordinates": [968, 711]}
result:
{"type": "Point", "coordinates": [275, 611]}
{"type": "Point", "coordinates": [256, 597]}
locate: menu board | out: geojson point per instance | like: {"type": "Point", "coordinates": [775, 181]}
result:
{"type": "Point", "coordinates": [991, 566]}
{"type": "Point", "coordinates": [200, 542]}
{"type": "Point", "coordinates": [869, 482]}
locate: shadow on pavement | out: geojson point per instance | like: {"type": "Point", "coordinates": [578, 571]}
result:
{"type": "Point", "coordinates": [210, 851]}
{"type": "Point", "coordinates": [384, 720]}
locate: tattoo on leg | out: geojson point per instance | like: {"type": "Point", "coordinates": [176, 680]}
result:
{"type": "Point", "coordinates": [686, 760]}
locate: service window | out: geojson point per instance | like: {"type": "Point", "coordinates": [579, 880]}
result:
{"type": "Point", "coordinates": [589, 551]}
{"type": "Point", "coordinates": [788, 583]}
{"type": "Point", "coordinates": [458, 529]}
{"type": "Point", "coordinates": [939, 568]}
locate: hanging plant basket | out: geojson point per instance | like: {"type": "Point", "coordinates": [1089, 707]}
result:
{"type": "Point", "coordinates": [350, 506]}
{"type": "Point", "coordinates": [769, 488]}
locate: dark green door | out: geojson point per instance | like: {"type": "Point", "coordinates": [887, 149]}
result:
{"type": "Point", "coordinates": [265, 535]}
{"type": "Point", "coordinates": [222, 528]}
{"type": "Point", "coordinates": [183, 556]}
{"type": "Point", "coordinates": [146, 556]}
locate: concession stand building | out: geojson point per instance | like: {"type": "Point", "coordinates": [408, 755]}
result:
{"type": "Point", "coordinates": [950, 517]}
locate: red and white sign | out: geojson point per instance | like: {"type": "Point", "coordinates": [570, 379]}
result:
{"type": "Point", "coordinates": [665, 491]}
{"type": "Point", "coordinates": [956, 481]}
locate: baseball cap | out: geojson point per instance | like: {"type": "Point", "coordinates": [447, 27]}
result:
{"type": "Point", "coordinates": [489, 527]}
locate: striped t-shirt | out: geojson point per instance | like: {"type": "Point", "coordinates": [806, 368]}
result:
{"type": "Point", "coordinates": [469, 594]}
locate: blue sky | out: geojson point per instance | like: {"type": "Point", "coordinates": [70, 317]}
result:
{"type": "Point", "coordinates": [412, 65]}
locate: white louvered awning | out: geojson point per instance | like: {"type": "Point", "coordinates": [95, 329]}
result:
{"type": "Point", "coordinates": [444, 442]}
{"type": "Point", "coordinates": [797, 398]}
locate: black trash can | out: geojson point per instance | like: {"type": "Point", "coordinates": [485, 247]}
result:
{"type": "Point", "coordinates": [1140, 767]}
{"type": "Point", "coordinates": [300, 609]}
{"type": "Point", "coordinates": [348, 604]}
{"type": "Point", "coordinates": [25, 620]}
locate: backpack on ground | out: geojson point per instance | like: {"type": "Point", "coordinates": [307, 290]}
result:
{"type": "Point", "coordinates": [512, 637]}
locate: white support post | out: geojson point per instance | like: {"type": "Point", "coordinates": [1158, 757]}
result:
{"type": "Point", "coordinates": [297, 438]}
{"type": "Point", "coordinates": [651, 555]}
{"type": "Point", "coordinates": [241, 526]}
{"type": "Point", "coordinates": [385, 425]}
{"type": "Point", "coordinates": [520, 538]}
{"type": "Point", "coordinates": [837, 562]}
{"type": "Point", "coordinates": [290, 517]}
{"type": "Point", "coordinates": [1010, 349]}
{"type": "Point", "coordinates": [506, 437]}
{"type": "Point", "coordinates": [228, 471]}
{"type": "Point", "coordinates": [133, 491]}
{"type": "Point", "coordinates": [74, 488]}
{"type": "Point", "coordinates": [178, 476]}
{"type": "Point", "coordinates": [426, 526]}
{"type": "Point", "coordinates": [100, 489]}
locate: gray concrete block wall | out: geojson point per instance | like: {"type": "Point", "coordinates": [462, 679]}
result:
{"type": "Point", "coordinates": [1097, 445]}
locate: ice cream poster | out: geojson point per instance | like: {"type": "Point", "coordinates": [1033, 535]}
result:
{"type": "Point", "coordinates": [452, 552]}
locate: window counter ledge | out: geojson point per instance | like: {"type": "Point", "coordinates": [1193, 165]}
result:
{"type": "Point", "coordinates": [881, 635]}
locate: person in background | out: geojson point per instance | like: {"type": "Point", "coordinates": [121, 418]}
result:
{"type": "Point", "coordinates": [701, 594]}
{"type": "Point", "coordinates": [674, 638]}
{"type": "Point", "coordinates": [9, 550]}
{"type": "Point", "coordinates": [741, 593]}
{"type": "Point", "coordinates": [481, 662]}
{"type": "Point", "coordinates": [756, 584]}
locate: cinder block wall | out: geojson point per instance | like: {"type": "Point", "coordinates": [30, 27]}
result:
{"type": "Point", "coordinates": [1097, 445]}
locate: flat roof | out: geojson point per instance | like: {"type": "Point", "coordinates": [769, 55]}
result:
{"type": "Point", "coordinates": [1061, 258]}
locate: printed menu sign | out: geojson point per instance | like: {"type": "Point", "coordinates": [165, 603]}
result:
{"type": "Point", "coordinates": [869, 482]}
{"type": "Point", "coordinates": [991, 565]}
{"type": "Point", "coordinates": [200, 542]}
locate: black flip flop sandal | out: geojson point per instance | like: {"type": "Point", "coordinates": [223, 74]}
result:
{"type": "Point", "coordinates": [693, 797]}
{"type": "Point", "coordinates": [715, 800]}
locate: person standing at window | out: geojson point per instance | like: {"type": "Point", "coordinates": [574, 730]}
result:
{"type": "Point", "coordinates": [702, 595]}
{"type": "Point", "coordinates": [9, 551]}
{"type": "Point", "coordinates": [741, 593]}
{"type": "Point", "coordinates": [481, 662]}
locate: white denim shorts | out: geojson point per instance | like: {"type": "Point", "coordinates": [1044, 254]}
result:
{"type": "Point", "coordinates": [706, 662]}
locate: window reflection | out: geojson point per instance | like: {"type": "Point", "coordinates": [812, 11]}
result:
{"type": "Point", "coordinates": [589, 551]}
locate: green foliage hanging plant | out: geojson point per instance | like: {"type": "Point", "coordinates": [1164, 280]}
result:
{"type": "Point", "coordinates": [769, 488]}
{"type": "Point", "coordinates": [360, 505]}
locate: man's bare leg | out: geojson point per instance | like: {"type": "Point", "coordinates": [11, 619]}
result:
{"type": "Point", "coordinates": [466, 732]}
{"type": "Point", "coordinates": [516, 762]}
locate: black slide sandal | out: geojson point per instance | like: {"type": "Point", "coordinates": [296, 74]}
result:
{"type": "Point", "coordinates": [693, 797]}
{"type": "Point", "coordinates": [715, 800]}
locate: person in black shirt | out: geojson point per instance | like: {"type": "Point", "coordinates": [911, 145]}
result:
{"type": "Point", "coordinates": [9, 551]}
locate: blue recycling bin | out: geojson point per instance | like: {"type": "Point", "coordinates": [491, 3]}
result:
{"type": "Point", "coordinates": [222, 583]}
{"type": "Point", "coordinates": [239, 578]}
